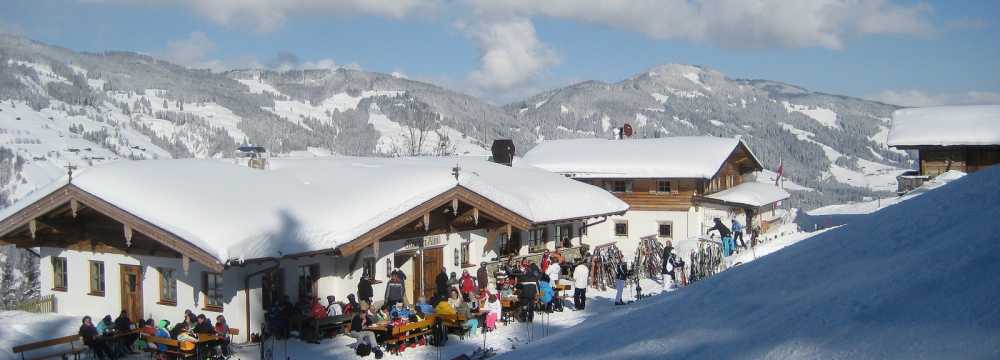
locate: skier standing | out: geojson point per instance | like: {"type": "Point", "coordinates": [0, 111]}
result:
{"type": "Point", "coordinates": [725, 234]}
{"type": "Point", "coordinates": [621, 274]}
{"type": "Point", "coordinates": [667, 273]}
{"type": "Point", "coordinates": [528, 284]}
{"type": "Point", "coordinates": [738, 234]}
{"type": "Point", "coordinates": [581, 277]}
{"type": "Point", "coordinates": [365, 291]}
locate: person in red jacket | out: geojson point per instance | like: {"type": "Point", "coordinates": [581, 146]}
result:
{"type": "Point", "coordinates": [546, 259]}
{"type": "Point", "coordinates": [317, 312]}
{"type": "Point", "coordinates": [467, 284]}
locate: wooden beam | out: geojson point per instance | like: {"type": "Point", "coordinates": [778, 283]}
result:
{"type": "Point", "coordinates": [74, 207]}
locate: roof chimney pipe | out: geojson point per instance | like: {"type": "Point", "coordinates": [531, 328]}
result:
{"type": "Point", "coordinates": [503, 151]}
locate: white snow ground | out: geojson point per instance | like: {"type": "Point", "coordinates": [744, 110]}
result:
{"type": "Point", "coordinates": [912, 281]}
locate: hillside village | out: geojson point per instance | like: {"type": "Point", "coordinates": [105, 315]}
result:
{"type": "Point", "coordinates": [582, 213]}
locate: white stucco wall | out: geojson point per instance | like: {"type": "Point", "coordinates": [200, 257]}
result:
{"type": "Point", "coordinates": [76, 300]}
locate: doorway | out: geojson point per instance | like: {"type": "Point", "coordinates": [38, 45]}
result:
{"type": "Point", "coordinates": [131, 285]}
{"type": "Point", "coordinates": [429, 269]}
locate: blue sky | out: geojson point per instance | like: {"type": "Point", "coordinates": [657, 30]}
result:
{"type": "Point", "coordinates": [906, 52]}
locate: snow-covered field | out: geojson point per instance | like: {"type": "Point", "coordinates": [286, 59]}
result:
{"type": "Point", "coordinates": [912, 281]}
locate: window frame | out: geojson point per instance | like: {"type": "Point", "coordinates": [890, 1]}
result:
{"type": "Point", "coordinates": [368, 267]}
{"type": "Point", "coordinates": [313, 270]}
{"type": "Point", "coordinates": [465, 249]}
{"type": "Point", "coordinates": [58, 274]}
{"type": "Point", "coordinates": [660, 187]}
{"type": "Point", "coordinates": [670, 228]}
{"type": "Point", "coordinates": [615, 228]}
{"type": "Point", "coordinates": [207, 291]}
{"type": "Point", "coordinates": [626, 186]}
{"type": "Point", "coordinates": [93, 265]}
{"type": "Point", "coordinates": [167, 284]}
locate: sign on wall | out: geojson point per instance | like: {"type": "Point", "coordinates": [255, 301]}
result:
{"type": "Point", "coordinates": [426, 242]}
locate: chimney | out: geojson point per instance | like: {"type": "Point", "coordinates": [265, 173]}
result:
{"type": "Point", "coordinates": [503, 151]}
{"type": "Point", "coordinates": [255, 155]}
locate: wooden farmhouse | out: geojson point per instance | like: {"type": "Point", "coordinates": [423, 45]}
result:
{"type": "Point", "coordinates": [960, 138]}
{"type": "Point", "coordinates": [155, 238]}
{"type": "Point", "coordinates": [674, 186]}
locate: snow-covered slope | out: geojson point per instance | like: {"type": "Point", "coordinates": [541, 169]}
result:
{"type": "Point", "coordinates": [912, 281]}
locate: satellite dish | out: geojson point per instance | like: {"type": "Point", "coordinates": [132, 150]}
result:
{"type": "Point", "coordinates": [627, 130]}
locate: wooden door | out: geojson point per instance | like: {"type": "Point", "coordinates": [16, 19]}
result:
{"type": "Point", "coordinates": [432, 264]}
{"type": "Point", "coordinates": [131, 286]}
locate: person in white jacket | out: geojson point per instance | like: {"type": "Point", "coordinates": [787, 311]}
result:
{"type": "Point", "coordinates": [581, 277]}
{"type": "Point", "coordinates": [553, 272]}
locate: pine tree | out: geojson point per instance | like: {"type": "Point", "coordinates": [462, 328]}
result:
{"type": "Point", "coordinates": [8, 290]}
{"type": "Point", "coordinates": [30, 286]}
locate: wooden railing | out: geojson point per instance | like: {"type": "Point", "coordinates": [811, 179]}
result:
{"type": "Point", "coordinates": [44, 304]}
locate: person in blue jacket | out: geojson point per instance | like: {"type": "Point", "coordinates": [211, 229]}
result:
{"type": "Point", "coordinates": [547, 293]}
{"type": "Point", "coordinates": [738, 234]}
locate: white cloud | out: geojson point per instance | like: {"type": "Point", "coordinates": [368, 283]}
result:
{"type": "Point", "coordinates": [510, 53]}
{"type": "Point", "coordinates": [922, 98]}
{"type": "Point", "coordinates": [268, 15]}
{"type": "Point", "coordinates": [732, 23]}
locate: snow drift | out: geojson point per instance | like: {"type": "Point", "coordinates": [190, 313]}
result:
{"type": "Point", "coordinates": [913, 281]}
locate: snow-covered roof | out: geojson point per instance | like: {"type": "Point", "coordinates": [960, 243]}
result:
{"type": "Point", "coordinates": [751, 193]}
{"type": "Point", "coordinates": [303, 205]}
{"type": "Point", "coordinates": [946, 126]}
{"type": "Point", "coordinates": [670, 157]}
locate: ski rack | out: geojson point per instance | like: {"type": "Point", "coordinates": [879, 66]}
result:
{"type": "Point", "coordinates": [603, 263]}
{"type": "Point", "coordinates": [706, 260]}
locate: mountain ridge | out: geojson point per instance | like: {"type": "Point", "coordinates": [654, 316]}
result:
{"type": "Point", "coordinates": [122, 104]}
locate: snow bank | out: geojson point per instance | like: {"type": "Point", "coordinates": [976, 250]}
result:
{"type": "Point", "coordinates": [301, 205]}
{"type": "Point", "coordinates": [946, 125]}
{"type": "Point", "coordinates": [21, 328]}
{"type": "Point", "coordinates": [671, 157]}
{"type": "Point", "coordinates": [751, 193]}
{"type": "Point", "coordinates": [913, 281]}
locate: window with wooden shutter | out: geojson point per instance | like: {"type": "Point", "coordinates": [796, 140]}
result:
{"type": "Point", "coordinates": [168, 286]}
{"type": "Point", "coordinates": [213, 291]}
{"type": "Point", "coordinates": [97, 278]}
{"type": "Point", "coordinates": [59, 274]}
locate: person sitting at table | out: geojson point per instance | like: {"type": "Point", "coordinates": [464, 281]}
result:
{"type": "Point", "coordinates": [494, 308]}
{"type": "Point", "coordinates": [383, 313]}
{"type": "Point", "coordinates": [202, 325]}
{"type": "Point", "coordinates": [105, 326]}
{"type": "Point", "coordinates": [333, 308]}
{"type": "Point", "coordinates": [124, 324]}
{"type": "Point", "coordinates": [454, 299]}
{"type": "Point", "coordinates": [222, 331]}
{"type": "Point", "coordinates": [351, 306]}
{"type": "Point", "coordinates": [88, 332]}
{"type": "Point", "coordinates": [471, 322]}
{"type": "Point", "coordinates": [359, 322]}
{"type": "Point", "coordinates": [149, 329]}
{"type": "Point", "coordinates": [162, 332]}
{"type": "Point", "coordinates": [423, 306]}
{"type": "Point", "coordinates": [545, 289]}
{"type": "Point", "coordinates": [444, 307]}
{"type": "Point", "coordinates": [317, 314]}
{"type": "Point", "coordinates": [400, 311]}
{"type": "Point", "coordinates": [190, 318]}
{"type": "Point", "coordinates": [185, 336]}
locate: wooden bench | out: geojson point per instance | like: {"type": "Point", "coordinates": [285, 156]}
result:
{"type": "Point", "coordinates": [173, 347]}
{"type": "Point", "coordinates": [74, 350]}
{"type": "Point", "coordinates": [456, 322]}
{"type": "Point", "coordinates": [408, 331]}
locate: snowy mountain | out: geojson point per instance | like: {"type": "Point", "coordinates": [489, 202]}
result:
{"type": "Point", "coordinates": [915, 280]}
{"type": "Point", "coordinates": [832, 144]}
{"type": "Point", "coordinates": [60, 108]}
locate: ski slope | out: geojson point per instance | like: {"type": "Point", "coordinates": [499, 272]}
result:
{"type": "Point", "coordinates": [913, 281]}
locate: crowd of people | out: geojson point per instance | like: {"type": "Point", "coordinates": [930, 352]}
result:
{"type": "Point", "coordinates": [113, 339]}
